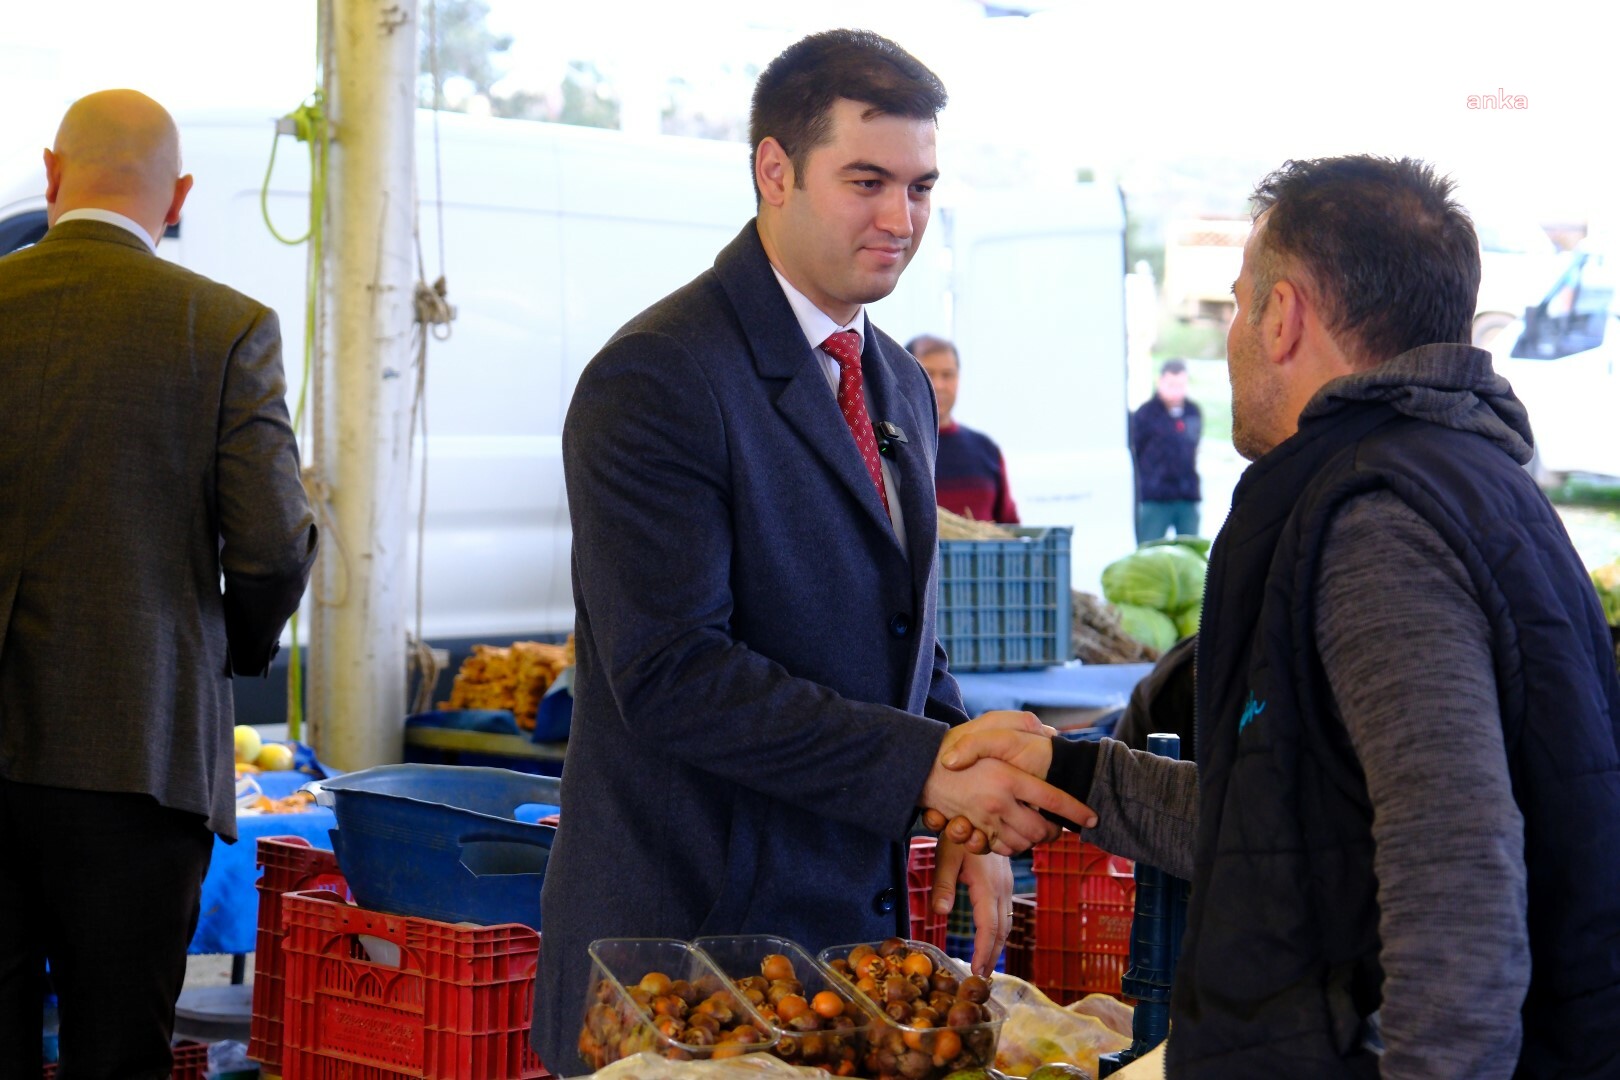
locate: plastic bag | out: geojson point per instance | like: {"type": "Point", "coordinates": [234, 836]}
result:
{"type": "Point", "coordinates": [758, 1066]}
{"type": "Point", "coordinates": [1038, 1031]}
{"type": "Point", "coordinates": [228, 1060]}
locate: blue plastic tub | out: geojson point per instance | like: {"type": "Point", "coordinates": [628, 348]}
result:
{"type": "Point", "coordinates": [443, 842]}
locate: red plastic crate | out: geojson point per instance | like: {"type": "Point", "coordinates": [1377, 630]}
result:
{"type": "Point", "coordinates": [190, 1062]}
{"type": "Point", "coordinates": [1021, 941]}
{"type": "Point", "coordinates": [1085, 900]}
{"type": "Point", "coordinates": [457, 1006]}
{"type": "Point", "coordinates": [290, 864]}
{"type": "Point", "coordinates": [925, 924]}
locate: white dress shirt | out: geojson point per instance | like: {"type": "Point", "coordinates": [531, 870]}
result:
{"type": "Point", "coordinates": [90, 213]}
{"type": "Point", "coordinates": [818, 326]}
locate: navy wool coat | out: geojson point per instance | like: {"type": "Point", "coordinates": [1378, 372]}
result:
{"type": "Point", "coordinates": [759, 693]}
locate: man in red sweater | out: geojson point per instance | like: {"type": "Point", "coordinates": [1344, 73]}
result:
{"type": "Point", "coordinates": [970, 477]}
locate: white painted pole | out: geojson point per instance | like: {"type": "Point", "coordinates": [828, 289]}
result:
{"type": "Point", "coordinates": [356, 687]}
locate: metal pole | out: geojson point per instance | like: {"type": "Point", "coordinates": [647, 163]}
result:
{"type": "Point", "coordinates": [357, 653]}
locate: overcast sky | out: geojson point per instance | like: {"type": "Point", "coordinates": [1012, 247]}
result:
{"type": "Point", "coordinates": [1081, 83]}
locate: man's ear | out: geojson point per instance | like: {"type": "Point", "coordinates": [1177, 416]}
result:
{"type": "Point", "coordinates": [773, 171]}
{"type": "Point", "coordinates": [182, 188]}
{"type": "Point", "coordinates": [53, 176]}
{"type": "Point", "coordinates": [1282, 325]}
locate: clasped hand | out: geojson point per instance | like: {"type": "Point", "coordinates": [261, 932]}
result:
{"type": "Point", "coordinates": [989, 781]}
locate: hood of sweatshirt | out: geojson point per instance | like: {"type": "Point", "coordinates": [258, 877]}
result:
{"type": "Point", "coordinates": [1450, 385]}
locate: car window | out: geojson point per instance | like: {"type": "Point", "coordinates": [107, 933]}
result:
{"type": "Point", "coordinates": [21, 231]}
{"type": "Point", "coordinates": [1576, 314]}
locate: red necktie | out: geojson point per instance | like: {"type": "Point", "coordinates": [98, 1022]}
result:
{"type": "Point", "coordinates": [845, 347]}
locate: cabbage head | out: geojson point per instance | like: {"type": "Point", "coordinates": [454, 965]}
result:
{"type": "Point", "coordinates": [1166, 577]}
{"type": "Point", "coordinates": [1199, 544]}
{"type": "Point", "coordinates": [1187, 620]}
{"type": "Point", "coordinates": [1607, 580]}
{"type": "Point", "coordinates": [1150, 627]}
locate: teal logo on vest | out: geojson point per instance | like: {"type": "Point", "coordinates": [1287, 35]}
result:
{"type": "Point", "coordinates": [1251, 709]}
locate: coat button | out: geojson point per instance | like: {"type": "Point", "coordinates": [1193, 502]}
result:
{"type": "Point", "coordinates": [883, 903]}
{"type": "Point", "coordinates": [900, 624]}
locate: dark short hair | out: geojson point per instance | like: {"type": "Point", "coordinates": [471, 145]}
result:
{"type": "Point", "coordinates": [1392, 258]}
{"type": "Point", "coordinates": [1173, 367]}
{"type": "Point", "coordinates": [795, 94]}
{"type": "Point", "coordinates": [927, 343]}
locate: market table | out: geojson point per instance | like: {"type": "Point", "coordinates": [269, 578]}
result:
{"type": "Point", "coordinates": [450, 746]}
{"type": "Point", "coordinates": [1074, 685]}
{"type": "Point", "coordinates": [230, 903]}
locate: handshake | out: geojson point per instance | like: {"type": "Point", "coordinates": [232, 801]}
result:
{"type": "Point", "coordinates": [987, 789]}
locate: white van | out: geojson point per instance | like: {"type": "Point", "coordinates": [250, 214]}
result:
{"type": "Point", "coordinates": [554, 236]}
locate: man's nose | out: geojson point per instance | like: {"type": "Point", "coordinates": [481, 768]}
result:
{"type": "Point", "coordinates": [894, 213]}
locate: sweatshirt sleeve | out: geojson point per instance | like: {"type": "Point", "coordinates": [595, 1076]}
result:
{"type": "Point", "coordinates": [1406, 649]}
{"type": "Point", "coordinates": [1146, 805]}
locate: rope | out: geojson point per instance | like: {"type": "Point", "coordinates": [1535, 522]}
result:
{"type": "Point", "coordinates": [433, 315]}
{"type": "Point", "coordinates": [309, 126]}
{"type": "Point", "coordinates": [427, 666]}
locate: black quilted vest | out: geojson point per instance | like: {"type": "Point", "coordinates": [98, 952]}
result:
{"type": "Point", "coordinates": [1280, 962]}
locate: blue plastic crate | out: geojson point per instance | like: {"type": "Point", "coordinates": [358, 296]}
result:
{"type": "Point", "coordinates": [1004, 605]}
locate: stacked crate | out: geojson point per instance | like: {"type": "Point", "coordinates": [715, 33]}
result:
{"type": "Point", "coordinates": [289, 864]}
{"type": "Point", "coordinates": [926, 925]}
{"type": "Point", "coordinates": [380, 997]}
{"type": "Point", "coordinates": [1084, 903]}
{"type": "Point", "coordinates": [342, 991]}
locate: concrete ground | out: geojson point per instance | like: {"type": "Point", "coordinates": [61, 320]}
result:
{"type": "Point", "coordinates": [214, 970]}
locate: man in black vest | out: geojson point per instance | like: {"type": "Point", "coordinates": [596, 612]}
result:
{"type": "Point", "coordinates": [1403, 821]}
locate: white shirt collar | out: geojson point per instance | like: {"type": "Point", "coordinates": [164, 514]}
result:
{"type": "Point", "coordinates": [91, 213]}
{"type": "Point", "coordinates": [816, 324]}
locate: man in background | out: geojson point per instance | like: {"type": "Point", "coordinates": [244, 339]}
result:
{"type": "Point", "coordinates": [145, 451]}
{"type": "Point", "coordinates": [970, 477]}
{"type": "Point", "coordinates": [1164, 445]}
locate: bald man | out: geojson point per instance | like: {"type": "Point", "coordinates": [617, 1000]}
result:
{"type": "Point", "coordinates": [146, 457]}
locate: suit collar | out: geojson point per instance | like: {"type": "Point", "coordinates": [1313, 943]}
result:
{"type": "Point", "coordinates": [91, 229]}
{"type": "Point", "coordinates": [806, 402]}
{"type": "Point", "coordinates": [768, 322]}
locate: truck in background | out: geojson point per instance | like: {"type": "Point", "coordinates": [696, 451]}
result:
{"type": "Point", "coordinates": [1202, 258]}
{"type": "Point", "coordinates": [554, 236]}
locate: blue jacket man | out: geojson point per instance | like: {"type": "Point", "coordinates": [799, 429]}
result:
{"type": "Point", "coordinates": [1164, 447]}
{"type": "Point", "coordinates": [760, 694]}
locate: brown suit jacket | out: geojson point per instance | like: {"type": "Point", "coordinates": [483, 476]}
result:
{"type": "Point", "coordinates": [145, 453]}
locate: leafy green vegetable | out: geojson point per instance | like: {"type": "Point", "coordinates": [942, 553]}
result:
{"type": "Point", "coordinates": [1187, 621]}
{"type": "Point", "coordinates": [1197, 544]}
{"type": "Point", "coordinates": [1150, 627]}
{"type": "Point", "coordinates": [1607, 580]}
{"type": "Point", "coordinates": [1166, 577]}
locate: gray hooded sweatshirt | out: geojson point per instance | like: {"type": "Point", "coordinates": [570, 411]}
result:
{"type": "Point", "coordinates": [1406, 649]}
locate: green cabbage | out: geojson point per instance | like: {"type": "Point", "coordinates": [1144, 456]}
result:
{"type": "Point", "coordinates": [1187, 621]}
{"type": "Point", "coordinates": [1166, 577]}
{"type": "Point", "coordinates": [1197, 544]}
{"type": "Point", "coordinates": [1150, 627]}
{"type": "Point", "coordinates": [1607, 580]}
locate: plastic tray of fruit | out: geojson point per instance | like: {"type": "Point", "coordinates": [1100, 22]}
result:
{"type": "Point", "coordinates": [666, 996]}
{"type": "Point", "coordinates": [822, 1021]}
{"type": "Point", "coordinates": [940, 1019]}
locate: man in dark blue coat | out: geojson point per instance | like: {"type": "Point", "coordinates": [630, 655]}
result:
{"type": "Point", "coordinates": [760, 695]}
{"type": "Point", "coordinates": [1164, 447]}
